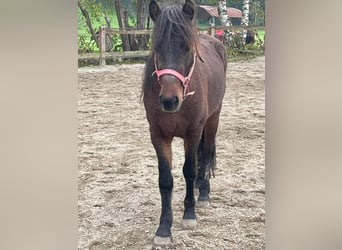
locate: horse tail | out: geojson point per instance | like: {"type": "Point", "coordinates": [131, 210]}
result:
{"type": "Point", "coordinates": [206, 159]}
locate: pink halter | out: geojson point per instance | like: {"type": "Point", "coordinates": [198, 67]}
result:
{"type": "Point", "coordinates": [184, 80]}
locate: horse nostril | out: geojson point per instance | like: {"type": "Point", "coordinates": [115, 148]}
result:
{"type": "Point", "coordinates": [175, 100]}
{"type": "Point", "coordinates": [169, 103]}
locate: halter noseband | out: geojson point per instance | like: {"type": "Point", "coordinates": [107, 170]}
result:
{"type": "Point", "coordinates": [184, 80]}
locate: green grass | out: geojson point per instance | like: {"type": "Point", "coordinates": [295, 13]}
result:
{"type": "Point", "coordinates": [261, 33]}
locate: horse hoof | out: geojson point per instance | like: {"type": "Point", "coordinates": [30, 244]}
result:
{"type": "Point", "coordinates": [202, 204]}
{"type": "Point", "coordinates": [189, 223]}
{"type": "Point", "coordinates": [161, 241]}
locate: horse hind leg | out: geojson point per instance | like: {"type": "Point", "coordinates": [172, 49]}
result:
{"type": "Point", "coordinates": [206, 154]}
{"type": "Point", "coordinates": [200, 173]}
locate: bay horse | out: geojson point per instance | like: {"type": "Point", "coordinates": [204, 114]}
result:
{"type": "Point", "coordinates": [183, 87]}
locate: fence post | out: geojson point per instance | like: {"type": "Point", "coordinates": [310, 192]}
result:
{"type": "Point", "coordinates": [212, 29]}
{"type": "Point", "coordinates": [102, 43]}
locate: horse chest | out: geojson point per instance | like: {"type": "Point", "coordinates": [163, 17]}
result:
{"type": "Point", "coordinates": [173, 127]}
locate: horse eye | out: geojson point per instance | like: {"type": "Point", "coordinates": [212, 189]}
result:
{"type": "Point", "coordinates": [182, 45]}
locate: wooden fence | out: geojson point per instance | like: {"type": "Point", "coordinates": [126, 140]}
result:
{"type": "Point", "coordinates": [103, 31]}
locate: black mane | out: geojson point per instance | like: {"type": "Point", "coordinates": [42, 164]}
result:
{"type": "Point", "coordinates": [171, 22]}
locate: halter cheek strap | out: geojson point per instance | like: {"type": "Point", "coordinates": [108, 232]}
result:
{"type": "Point", "coordinates": [184, 80]}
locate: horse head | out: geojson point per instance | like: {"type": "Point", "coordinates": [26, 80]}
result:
{"type": "Point", "coordinates": [174, 49]}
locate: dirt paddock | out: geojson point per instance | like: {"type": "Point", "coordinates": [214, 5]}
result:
{"type": "Point", "coordinates": [119, 201]}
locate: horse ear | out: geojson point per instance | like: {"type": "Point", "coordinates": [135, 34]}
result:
{"type": "Point", "coordinates": [189, 8]}
{"type": "Point", "coordinates": [154, 10]}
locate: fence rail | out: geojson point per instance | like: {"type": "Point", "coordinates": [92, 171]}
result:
{"type": "Point", "coordinates": [102, 55]}
{"type": "Point", "coordinates": [114, 55]}
{"type": "Point", "coordinates": [128, 32]}
{"type": "Point", "coordinates": [231, 28]}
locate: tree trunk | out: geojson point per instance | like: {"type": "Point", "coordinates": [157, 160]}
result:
{"type": "Point", "coordinates": [225, 21]}
{"type": "Point", "coordinates": [142, 40]}
{"type": "Point", "coordinates": [244, 19]}
{"type": "Point", "coordinates": [245, 13]}
{"type": "Point", "coordinates": [109, 44]}
{"type": "Point", "coordinates": [122, 24]}
{"type": "Point", "coordinates": [222, 9]}
{"type": "Point", "coordinates": [88, 22]}
{"type": "Point", "coordinates": [107, 20]}
{"type": "Point", "coordinates": [140, 14]}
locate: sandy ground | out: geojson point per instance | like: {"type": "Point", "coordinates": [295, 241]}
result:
{"type": "Point", "coordinates": [119, 201]}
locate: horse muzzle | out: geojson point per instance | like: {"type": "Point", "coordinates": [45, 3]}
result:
{"type": "Point", "coordinates": [169, 104]}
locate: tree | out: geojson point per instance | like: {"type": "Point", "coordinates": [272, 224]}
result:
{"type": "Point", "coordinates": [92, 11]}
{"type": "Point", "coordinates": [222, 9]}
{"type": "Point", "coordinates": [142, 16]}
{"type": "Point", "coordinates": [88, 22]}
{"type": "Point", "coordinates": [136, 10]}
{"type": "Point", "coordinates": [245, 13]}
{"type": "Point", "coordinates": [123, 23]}
{"type": "Point", "coordinates": [225, 21]}
{"type": "Point", "coordinates": [245, 19]}
{"type": "Point", "coordinates": [257, 12]}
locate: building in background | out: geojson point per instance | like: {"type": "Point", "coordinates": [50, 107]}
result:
{"type": "Point", "coordinates": [208, 15]}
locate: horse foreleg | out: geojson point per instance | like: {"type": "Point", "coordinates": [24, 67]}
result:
{"type": "Point", "coordinates": [189, 172]}
{"type": "Point", "coordinates": [164, 154]}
